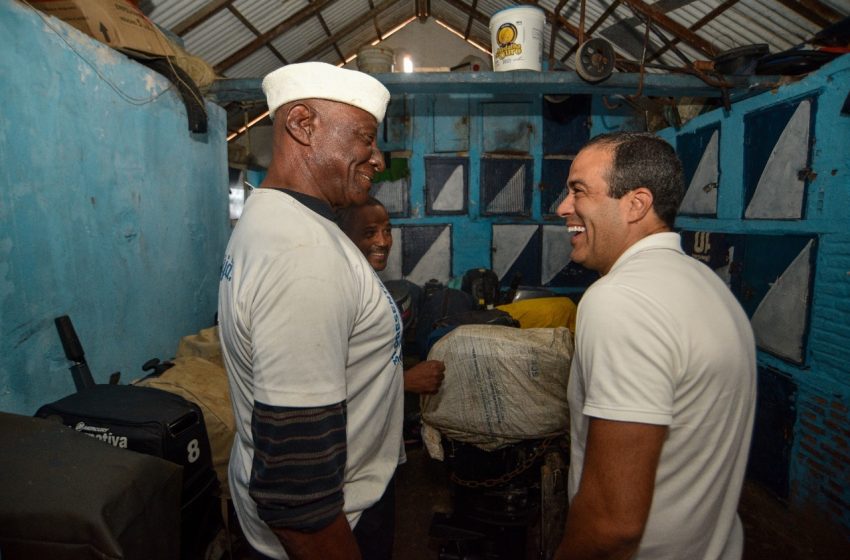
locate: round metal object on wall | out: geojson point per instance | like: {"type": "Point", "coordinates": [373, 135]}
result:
{"type": "Point", "coordinates": [595, 60]}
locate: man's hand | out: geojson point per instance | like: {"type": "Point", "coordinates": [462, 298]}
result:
{"type": "Point", "coordinates": [608, 514]}
{"type": "Point", "coordinates": [425, 377]}
{"type": "Point", "coordinates": [334, 542]}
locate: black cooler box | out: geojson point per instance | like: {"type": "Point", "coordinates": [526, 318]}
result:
{"type": "Point", "coordinates": [156, 423]}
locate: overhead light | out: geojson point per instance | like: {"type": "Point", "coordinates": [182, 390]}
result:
{"type": "Point", "coordinates": [423, 9]}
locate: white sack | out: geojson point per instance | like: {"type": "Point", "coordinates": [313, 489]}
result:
{"type": "Point", "coordinates": [502, 385]}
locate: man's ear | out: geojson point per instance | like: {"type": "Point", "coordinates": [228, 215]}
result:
{"type": "Point", "coordinates": [300, 123]}
{"type": "Point", "coordinates": [640, 203]}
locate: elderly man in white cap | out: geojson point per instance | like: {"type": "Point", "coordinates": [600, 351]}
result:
{"type": "Point", "coordinates": [310, 337]}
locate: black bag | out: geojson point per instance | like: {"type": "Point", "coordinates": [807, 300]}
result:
{"type": "Point", "coordinates": [445, 325]}
{"type": "Point", "coordinates": [156, 423]}
{"type": "Point", "coordinates": [478, 317]}
{"type": "Point", "coordinates": [483, 285]}
{"type": "Point", "coordinates": [438, 302]}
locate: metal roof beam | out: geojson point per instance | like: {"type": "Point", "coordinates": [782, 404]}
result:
{"type": "Point", "coordinates": [661, 19]}
{"type": "Point", "coordinates": [281, 28]}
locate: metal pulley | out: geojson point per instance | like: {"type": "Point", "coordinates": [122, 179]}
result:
{"type": "Point", "coordinates": [595, 60]}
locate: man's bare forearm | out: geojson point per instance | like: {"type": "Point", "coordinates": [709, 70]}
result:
{"type": "Point", "coordinates": [589, 536]}
{"type": "Point", "coordinates": [334, 542]}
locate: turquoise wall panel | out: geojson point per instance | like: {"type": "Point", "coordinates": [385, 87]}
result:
{"type": "Point", "coordinates": [495, 131]}
{"type": "Point", "coordinates": [818, 462]}
{"type": "Point", "coordinates": [111, 211]}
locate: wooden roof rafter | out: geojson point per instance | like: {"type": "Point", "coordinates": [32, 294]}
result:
{"type": "Point", "coordinates": [474, 8]}
{"type": "Point", "coordinates": [686, 36]}
{"type": "Point", "coordinates": [238, 15]}
{"type": "Point", "coordinates": [327, 31]}
{"type": "Point", "coordinates": [296, 19]}
{"type": "Point", "coordinates": [604, 16]}
{"type": "Point", "coordinates": [707, 18]}
{"type": "Point", "coordinates": [375, 21]}
{"type": "Point", "coordinates": [554, 32]}
{"type": "Point", "coordinates": [813, 10]}
{"type": "Point", "coordinates": [200, 16]}
{"type": "Point", "coordinates": [352, 26]}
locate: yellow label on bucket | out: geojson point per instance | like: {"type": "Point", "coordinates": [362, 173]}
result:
{"type": "Point", "coordinates": [510, 50]}
{"type": "Point", "coordinates": [506, 34]}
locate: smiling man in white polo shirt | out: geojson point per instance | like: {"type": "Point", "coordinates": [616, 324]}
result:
{"type": "Point", "coordinates": [662, 383]}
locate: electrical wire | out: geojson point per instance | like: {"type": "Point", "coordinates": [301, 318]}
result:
{"type": "Point", "coordinates": [138, 101]}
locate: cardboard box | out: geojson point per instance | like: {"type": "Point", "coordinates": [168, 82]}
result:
{"type": "Point", "coordinates": [116, 23]}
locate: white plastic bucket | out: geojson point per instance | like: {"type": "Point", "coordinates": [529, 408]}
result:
{"type": "Point", "coordinates": [516, 38]}
{"type": "Point", "coordinates": [375, 60]}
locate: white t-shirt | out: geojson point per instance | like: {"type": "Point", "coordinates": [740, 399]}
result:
{"type": "Point", "coordinates": [305, 322]}
{"type": "Point", "coordinates": [661, 340]}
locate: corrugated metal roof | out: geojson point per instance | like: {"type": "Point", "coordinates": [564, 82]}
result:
{"type": "Point", "coordinates": [249, 38]}
{"type": "Point", "coordinates": [259, 63]}
{"type": "Point", "coordinates": [264, 15]}
{"type": "Point", "coordinates": [215, 38]}
{"type": "Point", "coordinates": [218, 37]}
{"type": "Point", "coordinates": [168, 13]}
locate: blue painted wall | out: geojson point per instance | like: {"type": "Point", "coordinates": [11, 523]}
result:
{"type": "Point", "coordinates": [111, 211]}
{"type": "Point", "coordinates": [803, 406]}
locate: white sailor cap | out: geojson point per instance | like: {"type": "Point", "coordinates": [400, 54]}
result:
{"type": "Point", "coordinates": [318, 80]}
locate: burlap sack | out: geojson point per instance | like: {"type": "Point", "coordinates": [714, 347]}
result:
{"type": "Point", "coordinates": [204, 383]}
{"type": "Point", "coordinates": [205, 344]}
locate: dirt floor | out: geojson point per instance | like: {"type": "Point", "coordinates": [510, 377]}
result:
{"type": "Point", "coordinates": [772, 532]}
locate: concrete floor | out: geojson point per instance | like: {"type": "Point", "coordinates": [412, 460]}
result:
{"type": "Point", "coordinates": [771, 531]}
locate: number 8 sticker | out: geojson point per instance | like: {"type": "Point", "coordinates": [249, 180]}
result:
{"type": "Point", "coordinates": [194, 450]}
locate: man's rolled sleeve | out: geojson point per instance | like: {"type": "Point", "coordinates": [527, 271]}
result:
{"type": "Point", "coordinates": [299, 465]}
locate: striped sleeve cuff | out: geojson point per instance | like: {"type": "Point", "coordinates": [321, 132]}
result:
{"type": "Point", "coordinates": [299, 465]}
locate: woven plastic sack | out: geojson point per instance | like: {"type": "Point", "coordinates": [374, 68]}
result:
{"type": "Point", "coordinates": [502, 385]}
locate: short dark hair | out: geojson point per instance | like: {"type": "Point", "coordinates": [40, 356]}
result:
{"type": "Point", "coordinates": [345, 216]}
{"type": "Point", "coordinates": [642, 159]}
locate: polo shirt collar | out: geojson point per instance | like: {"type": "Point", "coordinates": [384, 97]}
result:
{"type": "Point", "coordinates": [664, 240]}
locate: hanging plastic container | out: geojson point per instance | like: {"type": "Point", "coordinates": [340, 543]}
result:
{"type": "Point", "coordinates": [517, 38]}
{"type": "Point", "coordinates": [375, 60]}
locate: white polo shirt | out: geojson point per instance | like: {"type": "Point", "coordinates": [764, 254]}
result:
{"type": "Point", "coordinates": [661, 340]}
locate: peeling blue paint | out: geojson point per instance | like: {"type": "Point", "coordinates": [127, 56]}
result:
{"type": "Point", "coordinates": [111, 211]}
